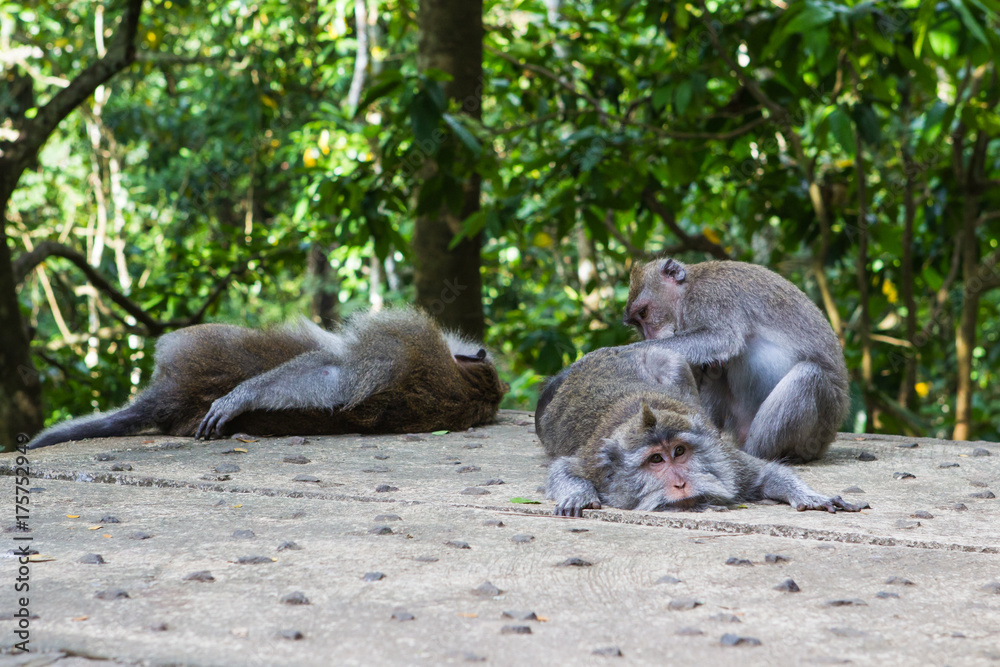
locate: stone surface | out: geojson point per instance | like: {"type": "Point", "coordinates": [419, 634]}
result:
{"type": "Point", "coordinates": [951, 616]}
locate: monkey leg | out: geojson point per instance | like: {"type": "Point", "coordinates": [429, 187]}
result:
{"type": "Point", "coordinates": [797, 419]}
{"type": "Point", "coordinates": [572, 493]}
{"type": "Point", "coordinates": [310, 380]}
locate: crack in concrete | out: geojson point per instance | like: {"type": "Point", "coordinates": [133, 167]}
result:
{"type": "Point", "coordinates": [773, 530]}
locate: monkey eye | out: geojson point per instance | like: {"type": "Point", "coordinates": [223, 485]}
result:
{"type": "Point", "coordinates": [642, 313]}
{"type": "Point", "coordinates": [679, 451]}
{"type": "Point", "coordinates": [655, 458]}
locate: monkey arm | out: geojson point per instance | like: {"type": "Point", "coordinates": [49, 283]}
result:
{"type": "Point", "coordinates": [572, 492]}
{"type": "Point", "coordinates": [310, 380]}
{"type": "Point", "coordinates": [704, 346]}
{"type": "Point", "coordinates": [779, 482]}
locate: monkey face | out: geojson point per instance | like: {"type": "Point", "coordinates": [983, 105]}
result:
{"type": "Point", "coordinates": [655, 293]}
{"type": "Point", "coordinates": [658, 466]}
{"type": "Point", "coordinates": [668, 462]}
{"type": "Point", "coordinates": [651, 477]}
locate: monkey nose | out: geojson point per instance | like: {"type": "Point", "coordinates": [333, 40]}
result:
{"type": "Point", "coordinates": [636, 315]}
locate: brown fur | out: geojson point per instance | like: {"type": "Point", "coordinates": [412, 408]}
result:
{"type": "Point", "coordinates": [399, 371]}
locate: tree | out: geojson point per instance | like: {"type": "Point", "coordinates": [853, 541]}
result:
{"type": "Point", "coordinates": [447, 274]}
{"type": "Point", "coordinates": [20, 406]}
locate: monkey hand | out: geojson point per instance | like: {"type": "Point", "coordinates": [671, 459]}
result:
{"type": "Point", "coordinates": [574, 504]}
{"type": "Point", "coordinates": [222, 411]}
{"type": "Point", "coordinates": [816, 502]}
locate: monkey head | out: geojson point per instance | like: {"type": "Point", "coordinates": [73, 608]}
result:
{"type": "Point", "coordinates": [663, 459]}
{"type": "Point", "coordinates": [655, 297]}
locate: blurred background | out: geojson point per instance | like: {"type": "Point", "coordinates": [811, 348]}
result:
{"type": "Point", "coordinates": [502, 164]}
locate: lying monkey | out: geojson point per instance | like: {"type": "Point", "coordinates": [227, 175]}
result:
{"type": "Point", "coordinates": [392, 371]}
{"type": "Point", "coordinates": [627, 430]}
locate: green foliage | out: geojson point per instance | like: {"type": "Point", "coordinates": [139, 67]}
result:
{"type": "Point", "coordinates": [237, 144]}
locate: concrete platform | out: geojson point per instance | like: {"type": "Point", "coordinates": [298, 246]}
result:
{"type": "Point", "coordinates": [912, 581]}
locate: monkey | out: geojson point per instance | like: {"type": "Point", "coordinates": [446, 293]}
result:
{"type": "Point", "coordinates": [626, 428]}
{"type": "Point", "coordinates": [772, 371]}
{"type": "Point", "coordinates": [392, 371]}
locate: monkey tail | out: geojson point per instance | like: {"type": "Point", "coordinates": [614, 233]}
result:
{"type": "Point", "coordinates": [129, 420]}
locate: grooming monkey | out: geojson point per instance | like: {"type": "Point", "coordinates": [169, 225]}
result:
{"type": "Point", "coordinates": [626, 429]}
{"type": "Point", "coordinates": [393, 371]}
{"type": "Point", "coordinates": [772, 370]}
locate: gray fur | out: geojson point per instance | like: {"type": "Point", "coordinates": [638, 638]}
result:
{"type": "Point", "coordinates": [603, 417]}
{"type": "Point", "coordinates": [772, 371]}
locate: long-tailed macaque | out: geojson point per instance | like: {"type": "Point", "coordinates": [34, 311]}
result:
{"type": "Point", "coordinates": [772, 371]}
{"type": "Point", "coordinates": [626, 429]}
{"type": "Point", "coordinates": [392, 371]}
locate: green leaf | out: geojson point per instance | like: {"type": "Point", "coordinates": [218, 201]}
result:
{"type": "Point", "coordinates": [525, 501]}
{"type": "Point", "coordinates": [868, 124]}
{"type": "Point", "coordinates": [970, 23]}
{"type": "Point", "coordinates": [470, 227]}
{"type": "Point", "coordinates": [681, 15]}
{"type": "Point", "coordinates": [463, 135]}
{"type": "Point", "coordinates": [920, 26]}
{"type": "Point", "coordinates": [812, 16]}
{"type": "Point", "coordinates": [840, 127]}
{"type": "Point", "coordinates": [424, 117]}
{"type": "Point", "coordinates": [799, 18]}
{"type": "Point", "coordinates": [934, 115]}
{"type": "Point", "coordinates": [301, 208]}
{"type": "Point", "coordinates": [440, 432]}
{"type": "Point", "coordinates": [385, 83]}
{"type": "Point", "coordinates": [661, 96]}
{"type": "Point", "coordinates": [682, 97]}
{"type": "Point", "coordinates": [944, 44]}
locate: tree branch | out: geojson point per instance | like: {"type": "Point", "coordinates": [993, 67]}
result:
{"type": "Point", "coordinates": [699, 243]}
{"type": "Point", "coordinates": [120, 55]}
{"type": "Point", "coordinates": [552, 76]}
{"type": "Point", "coordinates": [781, 114]}
{"type": "Point", "coordinates": [632, 249]}
{"type": "Point", "coordinates": [719, 136]}
{"type": "Point", "coordinates": [28, 261]}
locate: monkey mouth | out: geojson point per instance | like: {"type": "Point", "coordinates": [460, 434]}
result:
{"type": "Point", "coordinates": [691, 503]}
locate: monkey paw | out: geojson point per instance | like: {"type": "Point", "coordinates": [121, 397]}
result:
{"type": "Point", "coordinates": [573, 505]}
{"type": "Point", "coordinates": [829, 504]}
{"type": "Point", "coordinates": [218, 416]}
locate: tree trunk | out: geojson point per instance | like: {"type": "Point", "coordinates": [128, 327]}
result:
{"type": "Point", "coordinates": [586, 273]}
{"type": "Point", "coordinates": [965, 339]}
{"type": "Point", "coordinates": [20, 390]}
{"type": "Point", "coordinates": [906, 282]}
{"type": "Point", "coordinates": [448, 282]}
{"type": "Point", "coordinates": [20, 393]}
{"type": "Point", "coordinates": [972, 282]}
{"type": "Point", "coordinates": [864, 321]}
{"type": "Point", "coordinates": [323, 284]}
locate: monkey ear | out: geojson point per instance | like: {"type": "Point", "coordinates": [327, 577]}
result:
{"type": "Point", "coordinates": [609, 455]}
{"type": "Point", "coordinates": [673, 269]}
{"type": "Point", "coordinates": [648, 418]}
{"type": "Point", "coordinates": [480, 356]}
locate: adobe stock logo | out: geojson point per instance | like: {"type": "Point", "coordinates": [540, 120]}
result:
{"type": "Point", "coordinates": [452, 290]}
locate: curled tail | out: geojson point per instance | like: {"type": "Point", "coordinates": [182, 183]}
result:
{"type": "Point", "coordinates": [129, 420]}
